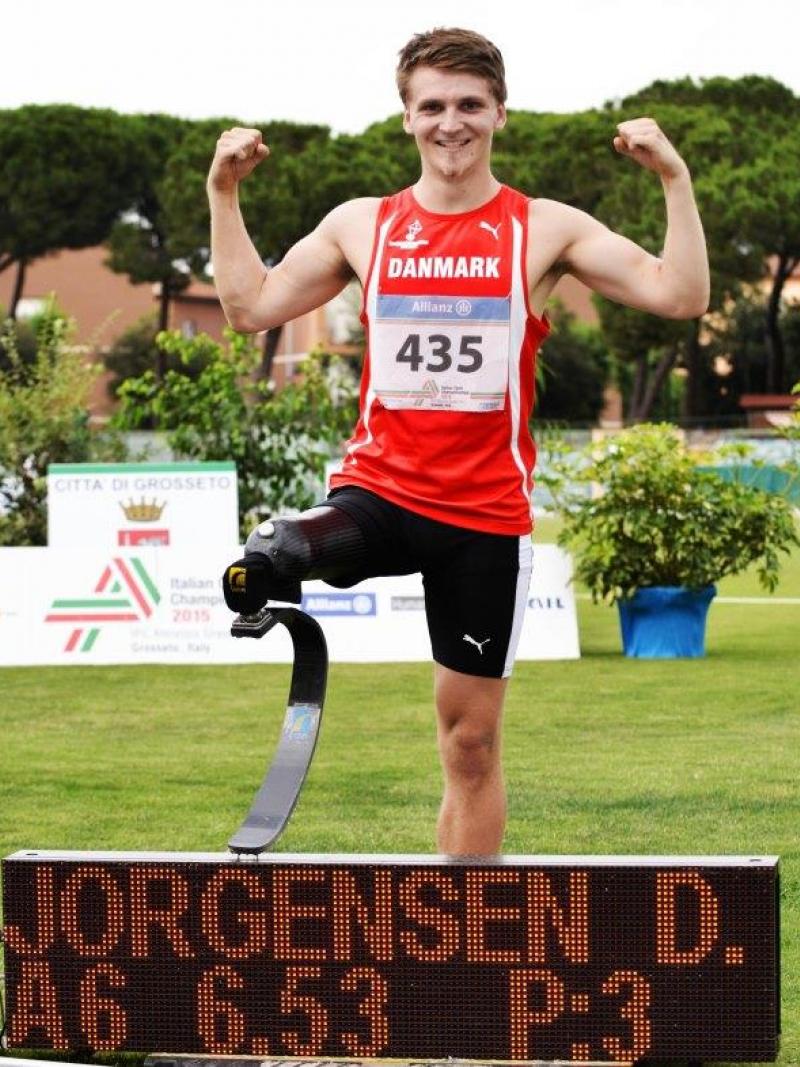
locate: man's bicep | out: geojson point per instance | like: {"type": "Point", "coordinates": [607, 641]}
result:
{"type": "Point", "coordinates": [614, 266]}
{"type": "Point", "coordinates": [311, 273]}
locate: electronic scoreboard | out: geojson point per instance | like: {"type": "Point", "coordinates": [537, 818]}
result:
{"type": "Point", "coordinates": [513, 958]}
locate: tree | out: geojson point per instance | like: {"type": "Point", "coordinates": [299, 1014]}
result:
{"type": "Point", "coordinates": [763, 205]}
{"type": "Point", "coordinates": [574, 365]}
{"type": "Point", "coordinates": [738, 349]}
{"type": "Point", "coordinates": [44, 419]}
{"type": "Point", "coordinates": [569, 158]}
{"type": "Point", "coordinates": [139, 243]}
{"type": "Point", "coordinates": [269, 210]}
{"type": "Point", "coordinates": [65, 176]}
{"type": "Point", "coordinates": [756, 94]}
{"type": "Point", "coordinates": [280, 441]}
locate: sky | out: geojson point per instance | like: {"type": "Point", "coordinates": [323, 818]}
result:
{"type": "Point", "coordinates": [333, 62]}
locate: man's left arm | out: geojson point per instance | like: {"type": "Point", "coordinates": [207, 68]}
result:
{"type": "Point", "coordinates": [675, 285]}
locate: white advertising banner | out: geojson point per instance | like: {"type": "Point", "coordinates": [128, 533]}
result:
{"type": "Point", "coordinates": [136, 505]}
{"type": "Point", "coordinates": [151, 605]}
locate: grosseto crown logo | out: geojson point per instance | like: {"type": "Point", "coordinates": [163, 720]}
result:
{"type": "Point", "coordinates": [143, 512]}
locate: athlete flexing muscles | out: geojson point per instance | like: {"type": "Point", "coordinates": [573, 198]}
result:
{"type": "Point", "coordinates": [456, 271]}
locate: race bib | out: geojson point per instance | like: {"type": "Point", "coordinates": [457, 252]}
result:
{"type": "Point", "coordinates": [441, 353]}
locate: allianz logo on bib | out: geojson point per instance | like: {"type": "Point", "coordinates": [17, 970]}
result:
{"type": "Point", "coordinates": [444, 267]}
{"type": "Point", "coordinates": [442, 307]}
{"type": "Point", "coordinates": [360, 604]}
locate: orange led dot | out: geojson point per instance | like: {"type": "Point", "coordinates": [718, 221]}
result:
{"type": "Point", "coordinates": [260, 1046]}
{"type": "Point", "coordinates": [581, 1051]}
{"type": "Point", "coordinates": [579, 1002]}
{"type": "Point", "coordinates": [734, 955]}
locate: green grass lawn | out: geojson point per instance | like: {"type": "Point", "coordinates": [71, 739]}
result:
{"type": "Point", "coordinates": [603, 755]}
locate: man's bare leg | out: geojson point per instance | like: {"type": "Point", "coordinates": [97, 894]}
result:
{"type": "Point", "coordinates": [473, 812]}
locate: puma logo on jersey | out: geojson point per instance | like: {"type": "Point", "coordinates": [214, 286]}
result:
{"type": "Point", "coordinates": [444, 267]}
{"type": "Point", "coordinates": [478, 644]}
{"type": "Point", "coordinates": [410, 240]}
{"type": "Point", "coordinates": [493, 230]}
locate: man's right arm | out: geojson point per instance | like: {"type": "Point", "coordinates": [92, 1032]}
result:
{"type": "Point", "coordinates": [252, 297]}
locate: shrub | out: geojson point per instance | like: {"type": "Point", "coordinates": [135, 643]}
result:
{"type": "Point", "coordinates": [655, 519]}
{"type": "Point", "coordinates": [279, 440]}
{"type": "Point", "coordinates": [44, 419]}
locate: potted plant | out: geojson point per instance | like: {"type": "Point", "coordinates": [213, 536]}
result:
{"type": "Point", "coordinates": [653, 532]}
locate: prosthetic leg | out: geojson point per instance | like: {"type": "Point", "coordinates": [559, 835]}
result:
{"type": "Point", "coordinates": [323, 542]}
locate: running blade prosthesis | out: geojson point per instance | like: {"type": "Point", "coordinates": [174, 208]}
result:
{"type": "Point", "coordinates": [275, 800]}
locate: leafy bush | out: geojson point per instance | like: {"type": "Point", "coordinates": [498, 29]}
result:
{"type": "Point", "coordinates": [279, 440]}
{"type": "Point", "coordinates": [655, 519]}
{"type": "Point", "coordinates": [136, 351]}
{"type": "Point", "coordinates": [44, 418]}
{"type": "Point", "coordinates": [25, 335]}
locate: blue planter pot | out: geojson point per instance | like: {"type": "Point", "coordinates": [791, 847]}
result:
{"type": "Point", "coordinates": [665, 622]}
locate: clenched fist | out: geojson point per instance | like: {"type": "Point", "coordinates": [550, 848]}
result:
{"type": "Point", "coordinates": [238, 153]}
{"type": "Point", "coordinates": [643, 141]}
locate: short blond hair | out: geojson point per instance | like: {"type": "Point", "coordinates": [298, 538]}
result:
{"type": "Point", "coordinates": [453, 49]}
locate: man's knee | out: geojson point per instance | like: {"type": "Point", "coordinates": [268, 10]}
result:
{"type": "Point", "coordinates": [470, 750]}
{"type": "Point", "coordinates": [279, 553]}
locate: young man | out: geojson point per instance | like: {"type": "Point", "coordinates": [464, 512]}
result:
{"type": "Point", "coordinates": [456, 272]}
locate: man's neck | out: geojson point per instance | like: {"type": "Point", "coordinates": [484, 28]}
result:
{"type": "Point", "coordinates": [453, 197]}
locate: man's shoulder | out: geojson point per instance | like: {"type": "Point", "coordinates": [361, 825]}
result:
{"type": "Point", "coordinates": [551, 217]}
{"type": "Point", "coordinates": [540, 209]}
{"type": "Point", "coordinates": [356, 212]}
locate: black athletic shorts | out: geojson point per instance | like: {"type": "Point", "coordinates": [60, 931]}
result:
{"type": "Point", "coordinates": [476, 584]}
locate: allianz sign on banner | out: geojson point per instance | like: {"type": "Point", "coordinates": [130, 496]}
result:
{"type": "Point", "coordinates": [131, 582]}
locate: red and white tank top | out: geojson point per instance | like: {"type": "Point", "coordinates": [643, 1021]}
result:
{"type": "Point", "coordinates": [448, 380]}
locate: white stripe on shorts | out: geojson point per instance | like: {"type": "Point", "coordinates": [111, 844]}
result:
{"type": "Point", "coordinates": [521, 599]}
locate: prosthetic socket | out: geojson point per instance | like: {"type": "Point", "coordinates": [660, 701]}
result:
{"type": "Point", "coordinates": [321, 543]}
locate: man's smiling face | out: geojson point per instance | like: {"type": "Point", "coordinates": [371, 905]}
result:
{"type": "Point", "coordinates": [452, 117]}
